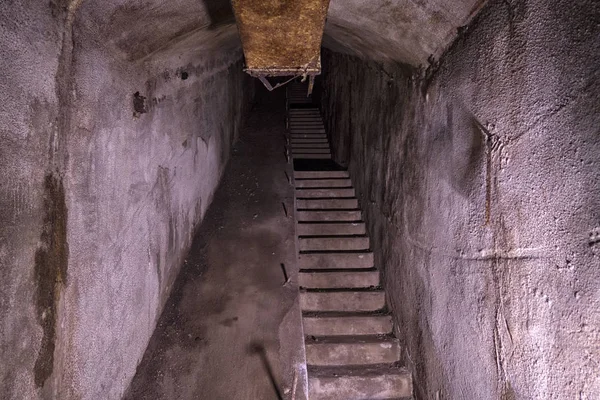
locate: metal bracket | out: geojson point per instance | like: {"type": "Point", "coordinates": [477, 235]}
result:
{"type": "Point", "coordinates": [270, 87]}
{"type": "Point", "coordinates": [311, 84]}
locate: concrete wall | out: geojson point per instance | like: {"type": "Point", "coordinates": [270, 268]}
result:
{"type": "Point", "coordinates": [98, 201]}
{"type": "Point", "coordinates": [481, 186]}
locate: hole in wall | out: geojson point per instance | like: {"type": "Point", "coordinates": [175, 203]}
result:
{"type": "Point", "coordinates": [139, 104]}
{"type": "Point", "coordinates": [184, 76]}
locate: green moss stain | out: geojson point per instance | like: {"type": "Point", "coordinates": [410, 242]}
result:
{"type": "Point", "coordinates": [51, 260]}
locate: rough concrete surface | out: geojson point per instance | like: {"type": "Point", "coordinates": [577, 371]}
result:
{"type": "Point", "coordinates": [479, 180]}
{"type": "Point", "coordinates": [410, 31]}
{"type": "Point", "coordinates": [109, 159]}
{"type": "Point", "coordinates": [230, 299]}
{"type": "Point", "coordinates": [481, 187]}
{"type": "Point", "coordinates": [31, 197]}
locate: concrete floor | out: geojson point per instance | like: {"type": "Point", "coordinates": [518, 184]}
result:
{"type": "Point", "coordinates": [230, 300]}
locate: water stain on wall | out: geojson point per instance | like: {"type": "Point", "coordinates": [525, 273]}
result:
{"type": "Point", "coordinates": [51, 262]}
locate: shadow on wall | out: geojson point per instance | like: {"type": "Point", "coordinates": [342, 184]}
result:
{"type": "Point", "coordinates": [220, 12]}
{"type": "Point", "coordinates": [164, 24]}
{"type": "Point", "coordinates": [464, 153]}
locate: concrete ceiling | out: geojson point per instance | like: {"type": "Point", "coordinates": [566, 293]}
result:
{"type": "Point", "coordinates": [136, 29]}
{"type": "Point", "coordinates": [407, 31]}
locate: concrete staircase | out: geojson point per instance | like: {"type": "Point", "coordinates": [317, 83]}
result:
{"type": "Point", "coordinates": [351, 351]}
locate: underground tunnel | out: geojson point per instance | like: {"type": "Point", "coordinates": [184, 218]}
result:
{"type": "Point", "coordinates": [412, 212]}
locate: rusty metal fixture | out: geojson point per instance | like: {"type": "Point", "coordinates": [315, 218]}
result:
{"type": "Point", "coordinates": [281, 37]}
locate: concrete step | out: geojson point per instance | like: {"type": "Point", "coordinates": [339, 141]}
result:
{"type": "Point", "coordinates": [342, 300]}
{"type": "Point", "coordinates": [309, 148]}
{"type": "Point", "coordinates": [323, 143]}
{"type": "Point", "coordinates": [328, 215]}
{"type": "Point", "coordinates": [310, 145]}
{"type": "Point", "coordinates": [309, 125]}
{"type": "Point", "coordinates": [296, 131]}
{"type": "Point", "coordinates": [352, 350]}
{"type": "Point", "coordinates": [331, 229]}
{"type": "Point", "coordinates": [324, 204]}
{"type": "Point", "coordinates": [310, 151]}
{"type": "Point", "coordinates": [317, 149]}
{"type": "Point", "coordinates": [340, 324]}
{"type": "Point", "coordinates": [307, 118]}
{"type": "Point", "coordinates": [305, 122]}
{"type": "Point", "coordinates": [339, 279]}
{"type": "Point", "coordinates": [361, 260]}
{"type": "Point", "coordinates": [320, 174]}
{"type": "Point", "coordinates": [305, 111]}
{"type": "Point", "coordinates": [336, 243]}
{"type": "Point", "coordinates": [323, 182]}
{"type": "Point", "coordinates": [312, 156]}
{"type": "Point", "coordinates": [373, 383]}
{"type": "Point", "coordinates": [302, 123]}
{"type": "Point", "coordinates": [306, 128]}
{"type": "Point", "coordinates": [295, 136]}
{"type": "Point", "coordinates": [295, 141]}
{"type": "Point", "coordinates": [303, 140]}
{"type": "Point", "coordinates": [298, 143]}
{"type": "Point", "coordinates": [325, 192]}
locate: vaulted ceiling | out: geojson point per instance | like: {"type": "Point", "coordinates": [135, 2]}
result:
{"type": "Point", "coordinates": [408, 31]}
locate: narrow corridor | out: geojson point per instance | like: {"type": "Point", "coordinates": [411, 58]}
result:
{"type": "Point", "coordinates": [425, 225]}
{"type": "Point", "coordinates": [236, 306]}
{"type": "Point", "coordinates": [231, 298]}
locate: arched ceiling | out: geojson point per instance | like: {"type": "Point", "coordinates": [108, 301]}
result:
{"type": "Point", "coordinates": [407, 31]}
{"type": "Point", "coordinates": [136, 29]}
